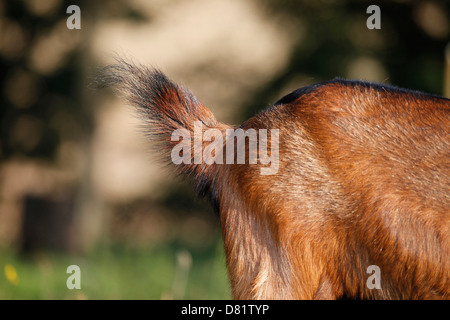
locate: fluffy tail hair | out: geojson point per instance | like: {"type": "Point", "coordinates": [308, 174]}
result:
{"type": "Point", "coordinates": [165, 107]}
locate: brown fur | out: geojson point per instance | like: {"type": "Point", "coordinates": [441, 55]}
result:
{"type": "Point", "coordinates": [363, 179]}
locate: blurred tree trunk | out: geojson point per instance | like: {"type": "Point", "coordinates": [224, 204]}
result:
{"type": "Point", "coordinates": [90, 216]}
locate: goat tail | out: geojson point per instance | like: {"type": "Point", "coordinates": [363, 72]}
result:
{"type": "Point", "coordinates": [173, 116]}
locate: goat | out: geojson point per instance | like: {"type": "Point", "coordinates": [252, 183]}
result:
{"type": "Point", "coordinates": [362, 179]}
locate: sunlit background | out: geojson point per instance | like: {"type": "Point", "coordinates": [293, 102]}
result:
{"type": "Point", "coordinates": [79, 183]}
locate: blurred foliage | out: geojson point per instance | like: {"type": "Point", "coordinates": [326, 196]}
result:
{"type": "Point", "coordinates": [328, 35]}
{"type": "Point", "coordinates": [35, 98]}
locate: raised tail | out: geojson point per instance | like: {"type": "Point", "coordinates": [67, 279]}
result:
{"type": "Point", "coordinates": [173, 116]}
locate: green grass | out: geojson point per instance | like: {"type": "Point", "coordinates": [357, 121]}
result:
{"type": "Point", "coordinates": [119, 272]}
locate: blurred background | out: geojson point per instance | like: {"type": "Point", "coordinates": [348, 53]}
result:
{"type": "Point", "coordinates": [78, 181]}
